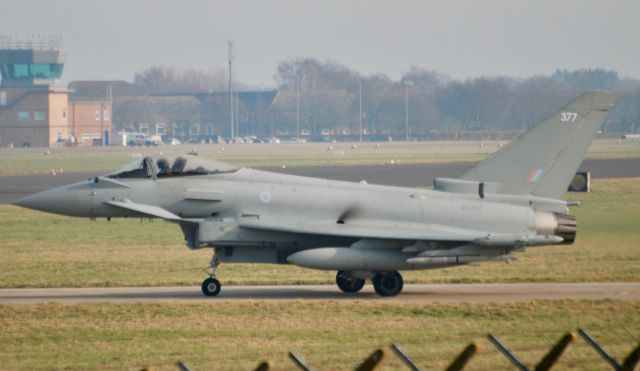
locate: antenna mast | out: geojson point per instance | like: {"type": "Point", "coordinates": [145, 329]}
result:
{"type": "Point", "coordinates": [230, 47]}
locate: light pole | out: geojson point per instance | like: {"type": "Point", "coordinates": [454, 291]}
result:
{"type": "Point", "coordinates": [110, 113]}
{"type": "Point", "coordinates": [360, 116]}
{"type": "Point", "coordinates": [230, 59]}
{"type": "Point", "coordinates": [297, 110]}
{"type": "Point", "coordinates": [237, 116]}
{"type": "Point", "coordinates": [406, 109]}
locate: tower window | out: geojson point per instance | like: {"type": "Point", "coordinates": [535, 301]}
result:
{"type": "Point", "coordinates": [39, 115]}
{"type": "Point", "coordinates": [160, 128]}
{"type": "Point", "coordinates": [194, 129]}
{"type": "Point", "coordinates": [23, 115]}
{"type": "Point", "coordinates": [20, 70]}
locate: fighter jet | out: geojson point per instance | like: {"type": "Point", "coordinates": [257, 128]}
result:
{"type": "Point", "coordinates": [508, 202]}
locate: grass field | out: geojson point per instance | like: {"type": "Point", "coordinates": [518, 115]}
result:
{"type": "Point", "coordinates": [45, 250]}
{"type": "Point", "coordinates": [34, 161]}
{"type": "Point", "coordinates": [329, 335]}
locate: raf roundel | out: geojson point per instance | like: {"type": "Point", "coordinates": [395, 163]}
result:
{"type": "Point", "coordinates": [265, 197]}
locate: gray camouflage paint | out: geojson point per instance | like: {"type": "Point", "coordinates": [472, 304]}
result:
{"type": "Point", "coordinates": [506, 203]}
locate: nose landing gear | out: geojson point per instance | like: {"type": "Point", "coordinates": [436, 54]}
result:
{"type": "Point", "coordinates": [211, 286]}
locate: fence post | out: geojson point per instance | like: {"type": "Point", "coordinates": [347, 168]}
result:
{"type": "Point", "coordinates": [298, 361]}
{"type": "Point", "coordinates": [507, 353]}
{"type": "Point", "coordinates": [264, 366]}
{"type": "Point", "coordinates": [554, 354]}
{"type": "Point", "coordinates": [612, 362]}
{"type": "Point", "coordinates": [182, 366]}
{"type": "Point", "coordinates": [372, 361]}
{"type": "Point", "coordinates": [632, 360]}
{"type": "Point", "coordinates": [405, 358]}
{"type": "Point", "coordinates": [463, 358]}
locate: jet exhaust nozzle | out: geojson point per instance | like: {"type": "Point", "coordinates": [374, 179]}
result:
{"type": "Point", "coordinates": [556, 224]}
{"type": "Point", "coordinates": [566, 228]}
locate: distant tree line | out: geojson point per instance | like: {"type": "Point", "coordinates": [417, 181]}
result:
{"type": "Point", "coordinates": [325, 96]}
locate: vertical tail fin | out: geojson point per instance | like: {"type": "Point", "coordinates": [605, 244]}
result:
{"type": "Point", "coordinates": [543, 160]}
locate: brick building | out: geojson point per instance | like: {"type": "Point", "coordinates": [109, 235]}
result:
{"type": "Point", "coordinates": [90, 113]}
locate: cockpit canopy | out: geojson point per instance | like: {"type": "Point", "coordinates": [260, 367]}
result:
{"type": "Point", "coordinates": [162, 167]}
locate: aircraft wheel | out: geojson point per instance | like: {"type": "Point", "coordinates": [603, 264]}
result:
{"type": "Point", "coordinates": [211, 287]}
{"type": "Point", "coordinates": [348, 283]}
{"type": "Point", "coordinates": [388, 284]}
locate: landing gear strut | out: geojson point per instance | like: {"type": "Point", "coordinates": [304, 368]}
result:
{"type": "Point", "coordinates": [388, 283]}
{"type": "Point", "coordinates": [211, 286]}
{"type": "Point", "coordinates": [348, 283]}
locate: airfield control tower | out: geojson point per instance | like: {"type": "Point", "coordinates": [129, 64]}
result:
{"type": "Point", "coordinates": [30, 62]}
{"type": "Point", "coordinates": [33, 106]}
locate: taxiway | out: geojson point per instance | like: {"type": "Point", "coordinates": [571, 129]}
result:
{"type": "Point", "coordinates": [415, 293]}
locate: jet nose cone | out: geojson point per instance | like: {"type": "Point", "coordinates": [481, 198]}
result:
{"type": "Point", "coordinates": [58, 200]}
{"type": "Point", "coordinates": [24, 202]}
{"type": "Point", "coordinates": [43, 201]}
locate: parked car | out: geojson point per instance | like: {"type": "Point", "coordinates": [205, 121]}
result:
{"type": "Point", "coordinates": [322, 139]}
{"type": "Point", "coordinates": [214, 139]}
{"type": "Point", "coordinates": [154, 140]}
{"type": "Point", "coordinates": [253, 139]}
{"type": "Point", "coordinates": [135, 139]}
{"type": "Point", "coordinates": [294, 140]}
{"type": "Point", "coordinates": [172, 141]}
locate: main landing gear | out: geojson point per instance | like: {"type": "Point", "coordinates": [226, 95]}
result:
{"type": "Point", "coordinates": [388, 284]}
{"type": "Point", "coordinates": [348, 283]}
{"type": "Point", "coordinates": [384, 283]}
{"type": "Point", "coordinates": [211, 286]}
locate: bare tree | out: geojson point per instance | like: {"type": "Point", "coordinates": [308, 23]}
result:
{"type": "Point", "coordinates": [164, 80]}
{"type": "Point", "coordinates": [587, 79]}
{"type": "Point", "coordinates": [309, 74]}
{"type": "Point", "coordinates": [425, 80]}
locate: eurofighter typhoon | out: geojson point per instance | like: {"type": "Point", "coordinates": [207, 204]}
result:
{"type": "Point", "coordinates": [510, 201]}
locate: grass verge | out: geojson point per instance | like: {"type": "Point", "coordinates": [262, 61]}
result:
{"type": "Point", "coordinates": [329, 335]}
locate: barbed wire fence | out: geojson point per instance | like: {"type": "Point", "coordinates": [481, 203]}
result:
{"type": "Point", "coordinates": [378, 356]}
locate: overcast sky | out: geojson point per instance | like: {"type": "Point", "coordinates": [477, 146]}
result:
{"type": "Point", "coordinates": [114, 39]}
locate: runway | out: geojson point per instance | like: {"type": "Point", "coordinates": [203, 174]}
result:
{"type": "Point", "coordinates": [417, 293]}
{"type": "Point", "coordinates": [409, 175]}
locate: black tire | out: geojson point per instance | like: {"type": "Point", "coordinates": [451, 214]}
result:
{"type": "Point", "coordinates": [211, 287]}
{"type": "Point", "coordinates": [348, 283]}
{"type": "Point", "coordinates": [388, 284]}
